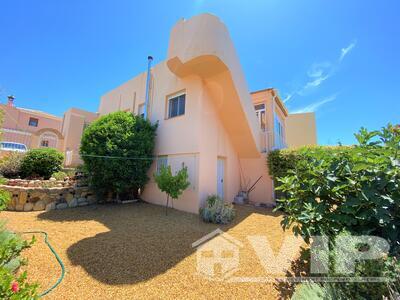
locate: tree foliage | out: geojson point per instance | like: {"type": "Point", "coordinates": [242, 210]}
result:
{"type": "Point", "coordinates": [117, 151]}
{"type": "Point", "coordinates": [172, 185]}
{"type": "Point", "coordinates": [354, 188]}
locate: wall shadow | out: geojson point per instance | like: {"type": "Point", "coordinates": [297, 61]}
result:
{"type": "Point", "coordinates": [142, 242]}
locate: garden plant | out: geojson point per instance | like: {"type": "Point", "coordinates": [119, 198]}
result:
{"type": "Point", "coordinates": [172, 185]}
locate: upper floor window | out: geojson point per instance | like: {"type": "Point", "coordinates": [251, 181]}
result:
{"type": "Point", "coordinates": [176, 105]}
{"type": "Point", "coordinates": [34, 122]}
{"type": "Point", "coordinates": [261, 115]}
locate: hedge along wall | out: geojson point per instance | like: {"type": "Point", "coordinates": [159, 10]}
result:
{"type": "Point", "coordinates": [330, 189]}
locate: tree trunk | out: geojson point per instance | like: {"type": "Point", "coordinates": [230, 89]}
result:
{"type": "Point", "coordinates": [166, 207]}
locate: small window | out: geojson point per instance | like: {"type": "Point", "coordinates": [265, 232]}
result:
{"type": "Point", "coordinates": [259, 107]}
{"type": "Point", "coordinates": [44, 143]}
{"type": "Point", "coordinates": [162, 160]}
{"type": "Point", "coordinates": [141, 110]}
{"type": "Point", "coordinates": [176, 106]}
{"type": "Point", "coordinates": [33, 122]}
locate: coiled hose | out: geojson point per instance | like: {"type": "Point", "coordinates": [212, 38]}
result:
{"type": "Point", "coordinates": [56, 256]}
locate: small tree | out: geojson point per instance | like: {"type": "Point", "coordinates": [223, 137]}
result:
{"type": "Point", "coordinates": [117, 150]}
{"type": "Point", "coordinates": [172, 185]}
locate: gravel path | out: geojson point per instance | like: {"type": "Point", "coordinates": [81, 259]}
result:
{"type": "Point", "coordinates": [134, 251]}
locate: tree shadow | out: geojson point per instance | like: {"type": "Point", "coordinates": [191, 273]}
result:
{"type": "Point", "coordinates": [299, 268]}
{"type": "Point", "coordinates": [142, 242]}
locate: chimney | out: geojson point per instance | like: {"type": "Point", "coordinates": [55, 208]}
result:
{"type": "Point", "coordinates": [146, 103]}
{"type": "Point", "coordinates": [10, 101]}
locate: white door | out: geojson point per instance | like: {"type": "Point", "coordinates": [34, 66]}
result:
{"type": "Point", "coordinates": [220, 177]}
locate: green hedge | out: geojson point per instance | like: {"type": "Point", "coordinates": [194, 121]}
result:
{"type": "Point", "coordinates": [327, 190]}
{"type": "Point", "coordinates": [355, 190]}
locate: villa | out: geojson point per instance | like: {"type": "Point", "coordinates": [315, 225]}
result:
{"type": "Point", "coordinates": [208, 120]}
{"type": "Point", "coordinates": [24, 129]}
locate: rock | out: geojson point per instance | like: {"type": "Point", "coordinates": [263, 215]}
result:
{"type": "Point", "coordinates": [19, 207]}
{"type": "Point", "coordinates": [69, 197]}
{"type": "Point", "coordinates": [39, 205]}
{"type": "Point", "coordinates": [73, 203]}
{"type": "Point", "coordinates": [239, 200]}
{"type": "Point", "coordinates": [28, 206]}
{"type": "Point", "coordinates": [84, 203]}
{"type": "Point", "coordinates": [81, 200]}
{"type": "Point", "coordinates": [31, 183]}
{"type": "Point", "coordinates": [52, 179]}
{"type": "Point", "coordinates": [51, 206]}
{"type": "Point", "coordinates": [62, 205]}
{"type": "Point", "coordinates": [22, 198]}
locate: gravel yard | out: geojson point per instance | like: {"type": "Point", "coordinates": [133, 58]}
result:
{"type": "Point", "coordinates": [135, 251]}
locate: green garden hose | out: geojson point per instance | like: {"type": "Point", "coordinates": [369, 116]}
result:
{"type": "Point", "coordinates": [56, 256]}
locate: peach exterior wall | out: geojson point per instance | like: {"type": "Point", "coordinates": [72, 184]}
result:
{"type": "Point", "coordinates": [301, 130]}
{"type": "Point", "coordinates": [219, 120]}
{"type": "Point", "coordinates": [72, 130]}
{"type": "Point", "coordinates": [18, 119]}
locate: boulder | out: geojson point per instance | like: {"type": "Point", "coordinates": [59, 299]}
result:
{"type": "Point", "coordinates": [19, 207]}
{"type": "Point", "coordinates": [51, 206]}
{"type": "Point", "coordinates": [81, 200]}
{"type": "Point", "coordinates": [73, 203]}
{"type": "Point", "coordinates": [69, 197]}
{"type": "Point", "coordinates": [28, 206]}
{"type": "Point", "coordinates": [39, 205]}
{"type": "Point", "coordinates": [22, 198]}
{"type": "Point", "coordinates": [62, 205]}
{"type": "Point", "coordinates": [84, 203]}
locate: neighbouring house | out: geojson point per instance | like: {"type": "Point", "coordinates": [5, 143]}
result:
{"type": "Point", "coordinates": [31, 129]}
{"type": "Point", "coordinates": [208, 119]}
{"type": "Point", "coordinates": [301, 130]}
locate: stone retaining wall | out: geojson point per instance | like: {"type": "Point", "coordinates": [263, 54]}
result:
{"type": "Point", "coordinates": [47, 195]}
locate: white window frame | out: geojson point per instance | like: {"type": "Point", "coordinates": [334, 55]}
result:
{"type": "Point", "coordinates": [171, 97]}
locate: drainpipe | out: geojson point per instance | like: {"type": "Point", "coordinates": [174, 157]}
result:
{"type": "Point", "coordinates": [146, 103]}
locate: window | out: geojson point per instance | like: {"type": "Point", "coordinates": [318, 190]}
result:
{"type": "Point", "coordinates": [44, 143]}
{"type": "Point", "coordinates": [33, 122]}
{"type": "Point", "coordinates": [141, 110]}
{"type": "Point", "coordinates": [162, 160]}
{"type": "Point", "coordinates": [261, 116]}
{"type": "Point", "coordinates": [176, 106]}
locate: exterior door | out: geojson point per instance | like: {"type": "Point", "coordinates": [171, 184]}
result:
{"type": "Point", "coordinates": [220, 177]}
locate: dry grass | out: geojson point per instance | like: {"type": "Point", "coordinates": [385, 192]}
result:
{"type": "Point", "coordinates": [136, 252]}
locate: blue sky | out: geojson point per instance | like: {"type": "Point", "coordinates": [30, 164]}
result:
{"type": "Point", "coordinates": [337, 58]}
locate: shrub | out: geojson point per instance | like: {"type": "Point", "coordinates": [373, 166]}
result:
{"type": "Point", "coordinates": [16, 288]}
{"type": "Point", "coordinates": [216, 211]}
{"type": "Point", "coordinates": [281, 161]}
{"type": "Point", "coordinates": [41, 163]}
{"type": "Point", "coordinates": [315, 291]}
{"type": "Point", "coordinates": [60, 175]}
{"type": "Point", "coordinates": [5, 197]}
{"type": "Point", "coordinates": [172, 185]}
{"type": "Point", "coordinates": [354, 188]}
{"type": "Point", "coordinates": [117, 150]}
{"type": "Point", "coordinates": [10, 166]}
{"type": "Point", "coordinates": [12, 286]}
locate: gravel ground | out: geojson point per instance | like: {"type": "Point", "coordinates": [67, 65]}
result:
{"type": "Point", "coordinates": [134, 251]}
